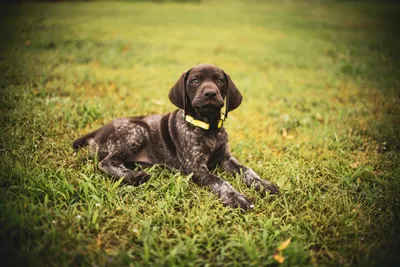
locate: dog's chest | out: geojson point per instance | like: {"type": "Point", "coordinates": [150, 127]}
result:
{"type": "Point", "coordinates": [206, 142]}
{"type": "Point", "coordinates": [195, 144]}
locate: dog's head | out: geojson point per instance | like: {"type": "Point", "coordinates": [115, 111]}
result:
{"type": "Point", "coordinates": [202, 91]}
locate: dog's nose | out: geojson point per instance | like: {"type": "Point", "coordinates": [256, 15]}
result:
{"type": "Point", "coordinates": [210, 94]}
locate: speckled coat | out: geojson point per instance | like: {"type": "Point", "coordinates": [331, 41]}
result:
{"type": "Point", "coordinates": [170, 140]}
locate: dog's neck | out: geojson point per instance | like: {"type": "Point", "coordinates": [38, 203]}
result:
{"type": "Point", "coordinates": [206, 122]}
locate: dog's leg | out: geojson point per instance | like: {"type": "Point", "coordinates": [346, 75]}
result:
{"type": "Point", "coordinates": [116, 145]}
{"type": "Point", "coordinates": [249, 177]}
{"type": "Point", "coordinates": [225, 192]}
{"type": "Point", "coordinates": [116, 168]}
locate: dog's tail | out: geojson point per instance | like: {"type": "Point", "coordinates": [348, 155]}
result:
{"type": "Point", "coordinates": [82, 141]}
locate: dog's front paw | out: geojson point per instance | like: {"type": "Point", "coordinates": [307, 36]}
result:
{"type": "Point", "coordinates": [232, 198]}
{"type": "Point", "coordinates": [264, 186]}
{"type": "Point", "coordinates": [237, 200]}
{"type": "Point", "coordinates": [136, 178]}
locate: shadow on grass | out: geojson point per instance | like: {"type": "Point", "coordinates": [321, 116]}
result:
{"type": "Point", "coordinates": [381, 73]}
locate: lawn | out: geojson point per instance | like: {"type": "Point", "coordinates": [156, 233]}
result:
{"type": "Point", "coordinates": [320, 118]}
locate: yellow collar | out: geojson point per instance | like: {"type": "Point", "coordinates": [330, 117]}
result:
{"type": "Point", "coordinates": [202, 124]}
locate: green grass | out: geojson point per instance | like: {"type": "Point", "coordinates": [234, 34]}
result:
{"type": "Point", "coordinates": [320, 118]}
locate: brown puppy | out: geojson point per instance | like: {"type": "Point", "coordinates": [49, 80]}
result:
{"type": "Point", "coordinates": [191, 139]}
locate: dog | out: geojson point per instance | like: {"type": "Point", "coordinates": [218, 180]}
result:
{"type": "Point", "coordinates": [191, 139]}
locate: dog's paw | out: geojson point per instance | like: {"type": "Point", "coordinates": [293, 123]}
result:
{"type": "Point", "coordinates": [232, 198]}
{"type": "Point", "coordinates": [264, 186]}
{"type": "Point", "coordinates": [260, 185]}
{"type": "Point", "coordinates": [237, 200]}
{"type": "Point", "coordinates": [136, 178]}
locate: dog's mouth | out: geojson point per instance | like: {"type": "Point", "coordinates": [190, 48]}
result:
{"type": "Point", "coordinates": [209, 109]}
{"type": "Point", "coordinates": [208, 104]}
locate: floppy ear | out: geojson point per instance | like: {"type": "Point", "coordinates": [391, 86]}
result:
{"type": "Point", "coordinates": [177, 94]}
{"type": "Point", "coordinates": [233, 96]}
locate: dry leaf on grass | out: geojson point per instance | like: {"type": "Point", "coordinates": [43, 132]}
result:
{"type": "Point", "coordinates": [284, 244]}
{"type": "Point", "coordinates": [354, 165]}
{"type": "Point", "coordinates": [279, 258]}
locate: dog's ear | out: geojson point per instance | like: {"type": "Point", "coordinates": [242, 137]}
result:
{"type": "Point", "coordinates": [177, 94]}
{"type": "Point", "coordinates": [233, 96]}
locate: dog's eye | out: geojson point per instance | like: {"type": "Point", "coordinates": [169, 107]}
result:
{"type": "Point", "coordinates": [194, 81]}
{"type": "Point", "coordinates": [221, 81]}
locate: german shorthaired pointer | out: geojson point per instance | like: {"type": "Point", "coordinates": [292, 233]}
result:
{"type": "Point", "coordinates": [191, 139]}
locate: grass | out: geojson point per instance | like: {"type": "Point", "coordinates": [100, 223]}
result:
{"type": "Point", "coordinates": [320, 118]}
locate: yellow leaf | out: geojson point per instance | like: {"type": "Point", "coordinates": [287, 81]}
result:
{"type": "Point", "coordinates": [284, 244]}
{"type": "Point", "coordinates": [279, 258]}
{"type": "Point", "coordinates": [354, 165]}
{"type": "Point", "coordinates": [284, 133]}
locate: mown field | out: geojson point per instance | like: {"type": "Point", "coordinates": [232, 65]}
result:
{"type": "Point", "coordinates": [320, 118]}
